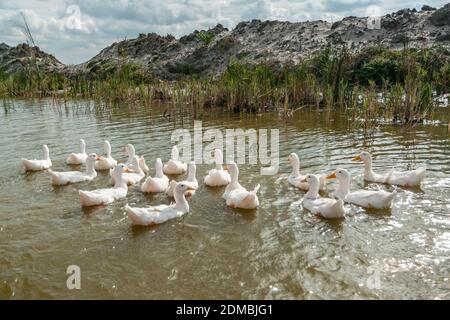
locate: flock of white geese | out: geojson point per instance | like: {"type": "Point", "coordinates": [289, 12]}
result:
{"type": "Point", "coordinates": [235, 195]}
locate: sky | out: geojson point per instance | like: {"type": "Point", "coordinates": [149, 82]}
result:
{"type": "Point", "coordinates": [75, 30]}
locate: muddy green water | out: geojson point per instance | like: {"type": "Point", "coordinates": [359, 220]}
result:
{"type": "Point", "coordinates": [279, 251]}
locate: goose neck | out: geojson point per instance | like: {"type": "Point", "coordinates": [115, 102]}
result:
{"type": "Point", "coordinates": [313, 192]}
{"type": "Point", "coordinates": [344, 186]}
{"type": "Point", "coordinates": [180, 201]}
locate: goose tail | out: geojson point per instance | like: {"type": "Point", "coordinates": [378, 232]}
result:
{"type": "Point", "coordinates": [338, 208]}
{"type": "Point", "coordinates": [70, 159]}
{"type": "Point", "coordinates": [56, 178]}
{"type": "Point", "coordinates": [133, 216]}
{"type": "Point", "coordinates": [252, 194]}
{"type": "Point", "coordinates": [145, 187]}
{"type": "Point", "coordinates": [388, 177]}
{"type": "Point", "coordinates": [85, 200]}
{"type": "Point", "coordinates": [339, 204]}
{"type": "Point", "coordinates": [390, 197]}
{"type": "Point", "coordinates": [23, 167]}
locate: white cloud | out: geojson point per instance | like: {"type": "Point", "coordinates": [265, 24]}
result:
{"type": "Point", "coordinates": [75, 36]}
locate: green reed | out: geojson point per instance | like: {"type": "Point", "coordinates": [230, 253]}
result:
{"type": "Point", "coordinates": [374, 83]}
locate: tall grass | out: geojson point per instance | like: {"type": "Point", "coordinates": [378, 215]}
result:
{"type": "Point", "coordinates": [375, 83]}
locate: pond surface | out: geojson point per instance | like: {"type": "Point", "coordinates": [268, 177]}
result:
{"type": "Point", "coordinates": [213, 252]}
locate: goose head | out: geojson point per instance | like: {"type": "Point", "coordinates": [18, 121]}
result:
{"type": "Point", "coordinates": [92, 157]}
{"type": "Point", "coordinates": [182, 187]}
{"type": "Point", "coordinates": [343, 176]}
{"type": "Point", "coordinates": [314, 184]}
{"type": "Point", "coordinates": [312, 179]}
{"type": "Point", "coordinates": [363, 156]}
{"type": "Point", "coordinates": [121, 168]}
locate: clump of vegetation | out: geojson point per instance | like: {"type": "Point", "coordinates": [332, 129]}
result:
{"type": "Point", "coordinates": [206, 37]}
{"type": "Point", "coordinates": [225, 43]}
{"type": "Point", "coordinates": [375, 83]}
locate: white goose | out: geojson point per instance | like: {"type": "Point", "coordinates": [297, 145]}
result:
{"type": "Point", "coordinates": [158, 183]}
{"type": "Point", "coordinates": [107, 162]}
{"type": "Point", "coordinates": [297, 179]}
{"type": "Point", "coordinates": [62, 178]}
{"type": "Point", "coordinates": [131, 151]}
{"type": "Point", "coordinates": [237, 196]}
{"type": "Point", "coordinates": [191, 180]}
{"type": "Point", "coordinates": [106, 196]}
{"type": "Point", "coordinates": [78, 158]}
{"type": "Point", "coordinates": [134, 176]}
{"type": "Point", "coordinates": [37, 165]}
{"type": "Point", "coordinates": [161, 213]}
{"type": "Point", "coordinates": [363, 198]}
{"type": "Point", "coordinates": [218, 176]}
{"type": "Point", "coordinates": [174, 166]}
{"type": "Point", "coordinates": [400, 178]}
{"type": "Point", "coordinates": [325, 207]}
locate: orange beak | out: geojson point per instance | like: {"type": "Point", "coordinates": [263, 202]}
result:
{"type": "Point", "coordinates": [332, 176]}
{"type": "Point", "coordinates": [128, 170]}
{"type": "Point", "coordinates": [191, 188]}
{"type": "Point", "coordinates": [99, 158]}
{"type": "Point", "coordinates": [357, 158]}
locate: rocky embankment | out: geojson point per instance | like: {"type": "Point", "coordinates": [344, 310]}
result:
{"type": "Point", "coordinates": [23, 56]}
{"type": "Point", "coordinates": [209, 52]}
